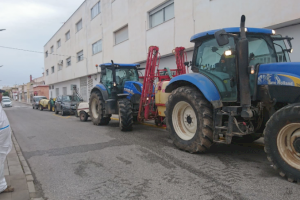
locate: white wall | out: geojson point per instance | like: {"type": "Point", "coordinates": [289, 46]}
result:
{"type": "Point", "coordinates": [191, 17]}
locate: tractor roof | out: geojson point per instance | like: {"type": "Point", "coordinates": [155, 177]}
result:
{"type": "Point", "coordinates": [121, 64]}
{"type": "Point", "coordinates": [231, 30]}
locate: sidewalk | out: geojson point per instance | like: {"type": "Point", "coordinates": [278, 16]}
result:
{"type": "Point", "coordinates": [18, 175]}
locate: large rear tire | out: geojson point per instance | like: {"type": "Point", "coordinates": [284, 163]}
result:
{"type": "Point", "coordinates": [96, 106]}
{"type": "Point", "coordinates": [125, 115]}
{"type": "Point", "coordinates": [189, 119]}
{"type": "Point", "coordinates": [282, 142]}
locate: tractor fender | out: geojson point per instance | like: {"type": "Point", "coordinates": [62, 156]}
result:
{"type": "Point", "coordinates": [100, 87]}
{"type": "Point", "coordinates": [204, 84]}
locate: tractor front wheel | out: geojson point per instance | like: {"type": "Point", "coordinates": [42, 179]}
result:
{"type": "Point", "coordinates": [282, 142]}
{"type": "Point", "coordinates": [189, 119]}
{"type": "Point", "coordinates": [125, 115]}
{"type": "Point", "coordinates": [96, 106]}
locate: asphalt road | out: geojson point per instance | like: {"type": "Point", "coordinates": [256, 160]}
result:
{"type": "Point", "coordinates": [77, 160]}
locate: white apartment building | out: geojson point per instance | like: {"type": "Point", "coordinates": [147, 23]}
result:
{"type": "Point", "coordinates": [122, 30]}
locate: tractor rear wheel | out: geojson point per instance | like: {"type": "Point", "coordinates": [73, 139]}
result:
{"type": "Point", "coordinates": [125, 115]}
{"type": "Point", "coordinates": [189, 119]}
{"type": "Point", "coordinates": [282, 142]}
{"type": "Point", "coordinates": [96, 106]}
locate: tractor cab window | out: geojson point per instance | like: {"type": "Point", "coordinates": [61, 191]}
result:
{"type": "Point", "coordinates": [261, 49]}
{"type": "Point", "coordinates": [280, 48]}
{"type": "Point", "coordinates": [219, 64]}
{"type": "Point", "coordinates": [123, 75]}
{"type": "Point", "coordinates": [107, 80]}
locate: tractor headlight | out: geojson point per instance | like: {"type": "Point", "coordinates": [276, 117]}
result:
{"type": "Point", "coordinates": [228, 53]}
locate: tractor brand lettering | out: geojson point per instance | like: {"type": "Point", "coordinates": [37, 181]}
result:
{"type": "Point", "coordinates": [128, 90]}
{"type": "Point", "coordinates": [274, 79]}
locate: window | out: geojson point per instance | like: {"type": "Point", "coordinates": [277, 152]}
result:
{"type": "Point", "coordinates": [58, 43]}
{"type": "Point", "coordinates": [47, 72]}
{"type": "Point", "coordinates": [79, 25]}
{"type": "Point", "coordinates": [59, 66]}
{"type": "Point", "coordinates": [212, 62]}
{"type": "Point", "coordinates": [52, 49]}
{"type": "Point", "coordinates": [79, 56]}
{"type": "Point", "coordinates": [69, 61]}
{"type": "Point", "coordinates": [67, 35]}
{"type": "Point", "coordinates": [121, 35]}
{"type": "Point", "coordinates": [95, 10]}
{"type": "Point", "coordinates": [52, 69]}
{"type": "Point", "coordinates": [280, 47]}
{"type": "Point", "coordinates": [161, 14]}
{"type": "Point", "coordinates": [97, 47]}
{"type": "Point", "coordinates": [46, 54]}
{"type": "Point", "coordinates": [52, 86]}
{"type": "Point", "coordinates": [262, 49]}
{"type": "Point", "coordinates": [64, 90]}
{"type": "Point", "coordinates": [57, 92]}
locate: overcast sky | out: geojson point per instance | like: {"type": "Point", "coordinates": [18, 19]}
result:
{"type": "Point", "coordinates": [29, 25]}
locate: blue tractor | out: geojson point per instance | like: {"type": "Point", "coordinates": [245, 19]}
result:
{"type": "Point", "coordinates": [243, 87]}
{"type": "Point", "coordinates": [118, 92]}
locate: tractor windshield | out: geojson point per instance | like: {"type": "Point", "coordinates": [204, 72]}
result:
{"type": "Point", "coordinates": [218, 63]}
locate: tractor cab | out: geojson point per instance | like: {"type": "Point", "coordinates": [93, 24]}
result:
{"type": "Point", "coordinates": [220, 62]}
{"type": "Point", "coordinates": [122, 73]}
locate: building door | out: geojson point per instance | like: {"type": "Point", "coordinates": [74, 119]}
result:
{"type": "Point", "coordinates": [64, 90]}
{"type": "Point", "coordinates": [57, 92]}
{"type": "Point", "coordinates": [83, 88]}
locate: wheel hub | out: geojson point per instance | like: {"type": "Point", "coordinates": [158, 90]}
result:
{"type": "Point", "coordinates": [296, 144]}
{"type": "Point", "coordinates": [189, 119]}
{"type": "Point", "coordinates": [184, 120]}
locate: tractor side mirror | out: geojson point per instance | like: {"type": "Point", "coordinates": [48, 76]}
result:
{"type": "Point", "coordinates": [103, 71]}
{"type": "Point", "coordinates": [221, 37]}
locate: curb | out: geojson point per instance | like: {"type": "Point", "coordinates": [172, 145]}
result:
{"type": "Point", "coordinates": [26, 170]}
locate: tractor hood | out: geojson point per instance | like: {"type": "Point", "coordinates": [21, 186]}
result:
{"type": "Point", "coordinates": [285, 74]}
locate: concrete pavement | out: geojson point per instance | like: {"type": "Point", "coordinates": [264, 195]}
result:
{"type": "Point", "coordinates": [70, 159]}
{"type": "Point", "coordinates": [18, 175]}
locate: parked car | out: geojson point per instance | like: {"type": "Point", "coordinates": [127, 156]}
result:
{"type": "Point", "coordinates": [82, 111]}
{"type": "Point", "coordinates": [66, 104]}
{"type": "Point", "coordinates": [6, 102]}
{"type": "Point", "coordinates": [36, 100]}
{"type": "Point", "coordinates": [5, 97]}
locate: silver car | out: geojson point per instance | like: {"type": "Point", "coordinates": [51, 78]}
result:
{"type": "Point", "coordinates": [6, 102]}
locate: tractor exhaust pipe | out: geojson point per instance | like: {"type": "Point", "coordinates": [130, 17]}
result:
{"type": "Point", "coordinates": [244, 86]}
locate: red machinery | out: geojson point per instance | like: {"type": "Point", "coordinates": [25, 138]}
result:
{"type": "Point", "coordinates": [147, 108]}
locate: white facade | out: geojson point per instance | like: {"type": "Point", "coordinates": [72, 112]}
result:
{"type": "Point", "coordinates": [87, 27]}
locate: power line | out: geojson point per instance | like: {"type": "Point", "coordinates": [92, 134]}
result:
{"type": "Point", "coordinates": [34, 51]}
